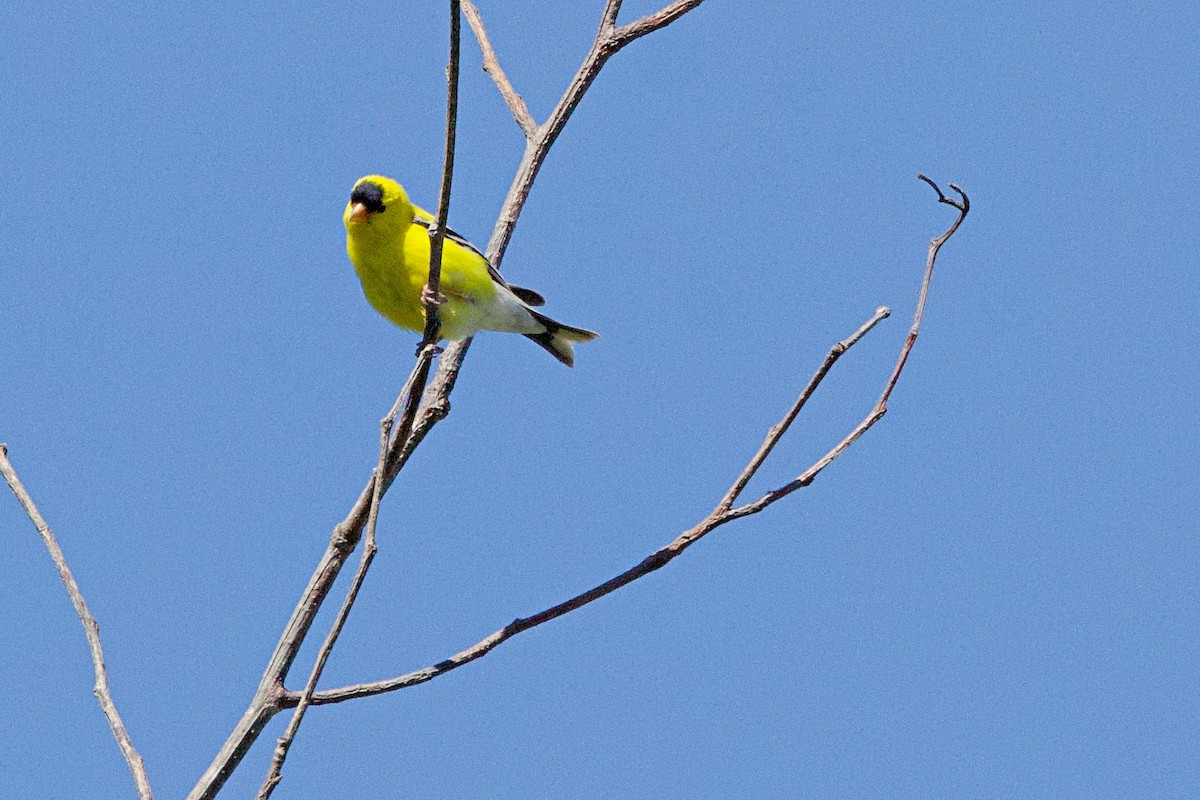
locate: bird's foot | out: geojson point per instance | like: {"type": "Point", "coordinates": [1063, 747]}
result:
{"type": "Point", "coordinates": [434, 350]}
{"type": "Point", "coordinates": [432, 298]}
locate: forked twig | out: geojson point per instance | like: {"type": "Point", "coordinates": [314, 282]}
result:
{"type": "Point", "coordinates": [779, 429]}
{"type": "Point", "coordinates": [91, 628]}
{"type": "Point", "coordinates": [722, 514]}
{"type": "Point", "coordinates": [610, 39]}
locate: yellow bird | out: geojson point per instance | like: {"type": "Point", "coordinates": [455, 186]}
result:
{"type": "Point", "coordinates": [387, 239]}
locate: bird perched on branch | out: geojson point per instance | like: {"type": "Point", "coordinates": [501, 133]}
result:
{"type": "Point", "coordinates": [387, 238]}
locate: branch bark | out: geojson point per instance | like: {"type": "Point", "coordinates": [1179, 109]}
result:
{"type": "Point", "coordinates": [91, 628]}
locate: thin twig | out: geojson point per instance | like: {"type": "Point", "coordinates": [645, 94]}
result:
{"type": "Point", "coordinates": [606, 44]}
{"type": "Point", "coordinates": [777, 431]}
{"type": "Point", "coordinates": [652, 22]}
{"type": "Point", "coordinates": [491, 65]}
{"type": "Point", "coordinates": [437, 231]}
{"type": "Point", "coordinates": [91, 628]}
{"type": "Point", "coordinates": [721, 515]}
{"type": "Point", "coordinates": [275, 771]}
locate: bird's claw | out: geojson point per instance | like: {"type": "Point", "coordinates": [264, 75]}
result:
{"type": "Point", "coordinates": [432, 298]}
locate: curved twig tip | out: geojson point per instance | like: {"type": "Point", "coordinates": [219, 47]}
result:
{"type": "Point", "coordinates": [964, 206]}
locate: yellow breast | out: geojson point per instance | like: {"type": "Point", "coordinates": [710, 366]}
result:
{"type": "Point", "coordinates": [394, 267]}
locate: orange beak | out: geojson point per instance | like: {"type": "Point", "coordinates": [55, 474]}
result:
{"type": "Point", "coordinates": [359, 213]}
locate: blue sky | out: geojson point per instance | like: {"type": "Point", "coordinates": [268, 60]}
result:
{"type": "Point", "coordinates": [993, 594]}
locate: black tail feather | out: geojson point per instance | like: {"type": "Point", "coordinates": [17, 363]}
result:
{"type": "Point", "coordinates": [558, 339]}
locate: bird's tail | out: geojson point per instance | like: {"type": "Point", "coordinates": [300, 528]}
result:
{"type": "Point", "coordinates": [559, 339]}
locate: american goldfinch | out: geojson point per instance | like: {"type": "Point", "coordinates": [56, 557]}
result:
{"type": "Point", "coordinates": [387, 239]}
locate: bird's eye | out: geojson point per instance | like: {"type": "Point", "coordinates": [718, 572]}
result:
{"type": "Point", "coordinates": [370, 195]}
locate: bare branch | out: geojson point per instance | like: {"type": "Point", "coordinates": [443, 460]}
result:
{"type": "Point", "coordinates": [491, 65]}
{"type": "Point", "coordinates": [934, 246]}
{"type": "Point", "coordinates": [721, 515]}
{"type": "Point", "coordinates": [91, 628]}
{"type": "Point", "coordinates": [437, 231]}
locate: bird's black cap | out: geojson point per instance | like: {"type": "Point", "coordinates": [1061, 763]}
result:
{"type": "Point", "coordinates": [370, 195]}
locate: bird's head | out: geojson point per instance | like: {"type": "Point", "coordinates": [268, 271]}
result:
{"type": "Point", "coordinates": [378, 202]}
